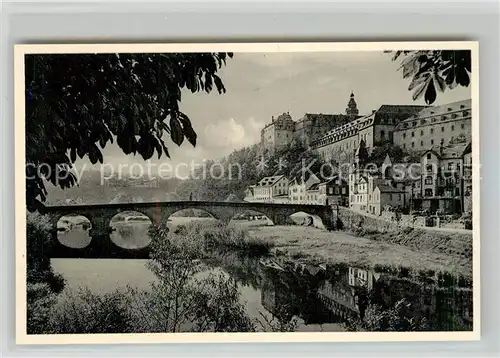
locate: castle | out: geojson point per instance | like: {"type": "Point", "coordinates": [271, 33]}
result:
{"type": "Point", "coordinates": [338, 136]}
{"type": "Point", "coordinates": [283, 129]}
{"type": "Point", "coordinates": [435, 176]}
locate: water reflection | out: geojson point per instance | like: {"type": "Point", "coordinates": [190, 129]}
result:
{"type": "Point", "coordinates": [349, 294]}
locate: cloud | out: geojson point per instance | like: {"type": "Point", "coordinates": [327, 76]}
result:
{"type": "Point", "coordinates": [232, 133]}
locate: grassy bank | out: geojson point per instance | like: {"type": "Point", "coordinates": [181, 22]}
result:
{"type": "Point", "coordinates": [202, 237]}
{"type": "Point", "coordinates": [315, 246]}
{"type": "Point", "coordinates": [448, 243]}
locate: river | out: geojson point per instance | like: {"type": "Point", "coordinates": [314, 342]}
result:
{"type": "Point", "coordinates": [257, 284]}
{"type": "Point", "coordinates": [318, 303]}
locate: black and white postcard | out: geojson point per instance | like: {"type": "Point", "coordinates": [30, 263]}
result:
{"type": "Point", "coordinates": [247, 192]}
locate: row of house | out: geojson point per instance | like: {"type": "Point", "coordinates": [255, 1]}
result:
{"type": "Point", "coordinates": [305, 188]}
{"type": "Point", "coordinates": [441, 180]}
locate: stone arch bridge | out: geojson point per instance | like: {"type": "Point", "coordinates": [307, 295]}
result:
{"type": "Point", "coordinates": [100, 216]}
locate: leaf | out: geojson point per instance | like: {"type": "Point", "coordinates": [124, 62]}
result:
{"type": "Point", "coordinates": [176, 132]}
{"type": "Point", "coordinates": [157, 145]}
{"type": "Point", "coordinates": [462, 77]}
{"type": "Point", "coordinates": [420, 90]}
{"type": "Point", "coordinates": [188, 129]}
{"type": "Point", "coordinates": [467, 60]}
{"type": "Point", "coordinates": [73, 154]}
{"type": "Point", "coordinates": [430, 93]}
{"type": "Point", "coordinates": [219, 84]}
{"type": "Point", "coordinates": [125, 143]}
{"type": "Point", "coordinates": [440, 82]}
{"type": "Point", "coordinates": [146, 147]}
{"type": "Point", "coordinates": [416, 81]}
{"type": "Point", "coordinates": [410, 66]}
{"type": "Point", "coordinates": [165, 149]}
{"type": "Point", "coordinates": [449, 74]}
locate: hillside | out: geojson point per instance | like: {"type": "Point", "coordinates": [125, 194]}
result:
{"type": "Point", "coordinates": [234, 174]}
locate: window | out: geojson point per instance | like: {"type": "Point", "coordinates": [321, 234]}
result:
{"type": "Point", "coordinates": [429, 155]}
{"type": "Point", "coordinates": [413, 134]}
{"type": "Point", "coordinates": [421, 132]}
{"type": "Point", "coordinates": [442, 129]}
{"type": "Point", "coordinates": [428, 180]}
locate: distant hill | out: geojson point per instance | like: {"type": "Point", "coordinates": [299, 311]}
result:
{"type": "Point", "coordinates": [92, 190]}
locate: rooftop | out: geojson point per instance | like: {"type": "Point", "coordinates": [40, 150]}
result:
{"type": "Point", "coordinates": [389, 189]}
{"type": "Point", "coordinates": [449, 151]}
{"type": "Point", "coordinates": [443, 112]}
{"type": "Point", "coordinates": [269, 181]}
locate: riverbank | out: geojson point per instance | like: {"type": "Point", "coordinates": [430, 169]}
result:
{"type": "Point", "coordinates": [315, 246]}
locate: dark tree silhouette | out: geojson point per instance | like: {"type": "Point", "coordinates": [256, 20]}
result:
{"type": "Point", "coordinates": [77, 103]}
{"type": "Point", "coordinates": [433, 71]}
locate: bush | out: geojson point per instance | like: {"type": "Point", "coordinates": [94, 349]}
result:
{"type": "Point", "coordinates": [40, 300]}
{"type": "Point", "coordinates": [87, 312]}
{"type": "Point", "coordinates": [38, 240]}
{"type": "Point", "coordinates": [198, 238]}
{"type": "Point", "coordinates": [397, 318]}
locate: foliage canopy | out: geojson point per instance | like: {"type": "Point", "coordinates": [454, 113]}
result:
{"type": "Point", "coordinates": [434, 71]}
{"type": "Point", "coordinates": [78, 103]}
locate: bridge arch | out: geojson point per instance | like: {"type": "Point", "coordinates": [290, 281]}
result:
{"type": "Point", "coordinates": [189, 216]}
{"type": "Point", "coordinates": [130, 229]}
{"type": "Point", "coordinates": [257, 217]}
{"type": "Point", "coordinates": [306, 218]}
{"type": "Point", "coordinates": [72, 230]}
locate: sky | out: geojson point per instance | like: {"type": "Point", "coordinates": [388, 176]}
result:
{"type": "Point", "coordinates": [262, 85]}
